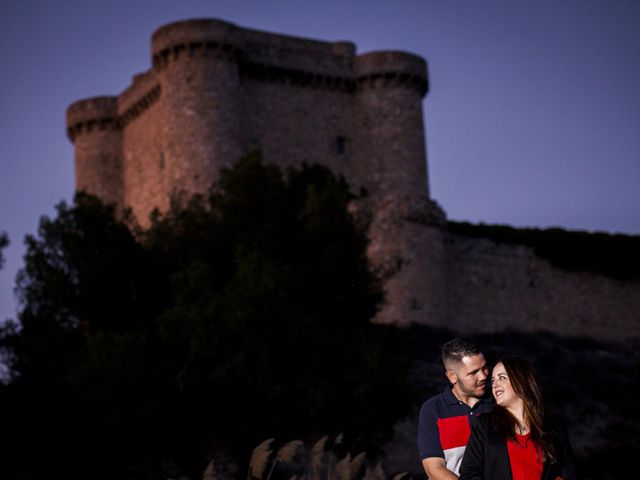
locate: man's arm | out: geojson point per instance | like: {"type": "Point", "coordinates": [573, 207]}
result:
{"type": "Point", "coordinates": [430, 447]}
{"type": "Point", "coordinates": [436, 469]}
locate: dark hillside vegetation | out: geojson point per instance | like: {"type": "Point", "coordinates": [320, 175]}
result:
{"type": "Point", "coordinates": [614, 255]}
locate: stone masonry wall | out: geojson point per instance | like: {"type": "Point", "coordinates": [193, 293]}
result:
{"type": "Point", "coordinates": [492, 287]}
{"type": "Point", "coordinates": [143, 156]}
{"type": "Point", "coordinates": [307, 121]}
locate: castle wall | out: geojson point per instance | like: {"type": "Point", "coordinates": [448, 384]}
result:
{"type": "Point", "coordinates": [295, 124]}
{"type": "Point", "coordinates": [492, 287]}
{"type": "Point", "coordinates": [143, 156]}
{"type": "Point", "coordinates": [216, 91]}
{"type": "Point", "coordinates": [298, 100]}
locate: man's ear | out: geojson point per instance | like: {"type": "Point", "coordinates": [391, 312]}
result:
{"type": "Point", "coordinates": [451, 375]}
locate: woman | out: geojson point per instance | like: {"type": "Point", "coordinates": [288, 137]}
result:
{"type": "Point", "coordinates": [515, 440]}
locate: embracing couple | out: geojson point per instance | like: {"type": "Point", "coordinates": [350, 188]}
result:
{"type": "Point", "coordinates": [465, 435]}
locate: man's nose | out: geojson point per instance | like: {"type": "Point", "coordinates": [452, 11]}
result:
{"type": "Point", "coordinates": [482, 375]}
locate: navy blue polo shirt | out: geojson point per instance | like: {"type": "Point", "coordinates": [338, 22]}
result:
{"type": "Point", "coordinates": [444, 428]}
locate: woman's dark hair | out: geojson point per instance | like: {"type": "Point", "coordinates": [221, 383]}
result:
{"type": "Point", "coordinates": [524, 384]}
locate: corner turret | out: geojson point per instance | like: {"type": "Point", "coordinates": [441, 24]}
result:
{"type": "Point", "coordinates": [406, 234]}
{"type": "Point", "coordinates": [92, 125]}
{"type": "Point", "coordinates": [196, 63]}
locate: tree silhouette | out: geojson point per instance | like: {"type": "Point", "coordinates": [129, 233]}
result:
{"type": "Point", "coordinates": [236, 315]}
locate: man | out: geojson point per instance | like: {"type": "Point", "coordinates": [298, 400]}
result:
{"type": "Point", "coordinates": [444, 419]}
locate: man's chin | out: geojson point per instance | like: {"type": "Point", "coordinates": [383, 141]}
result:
{"type": "Point", "coordinates": [480, 392]}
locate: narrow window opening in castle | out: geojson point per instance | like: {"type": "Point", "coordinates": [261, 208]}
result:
{"type": "Point", "coordinates": [341, 145]}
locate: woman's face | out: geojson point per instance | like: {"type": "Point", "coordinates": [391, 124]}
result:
{"type": "Point", "coordinates": [501, 387]}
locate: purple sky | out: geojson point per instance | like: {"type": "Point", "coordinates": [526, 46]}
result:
{"type": "Point", "coordinates": [533, 118]}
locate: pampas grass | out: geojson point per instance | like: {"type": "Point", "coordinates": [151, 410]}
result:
{"type": "Point", "coordinates": [285, 455]}
{"type": "Point", "coordinates": [317, 453]}
{"type": "Point", "coordinates": [398, 476]}
{"type": "Point", "coordinates": [288, 451]}
{"type": "Point", "coordinates": [356, 464]}
{"type": "Point", "coordinates": [259, 459]}
{"type": "Point", "coordinates": [377, 473]}
{"type": "Point", "coordinates": [337, 441]}
{"type": "Point", "coordinates": [316, 459]}
{"type": "Point", "coordinates": [210, 471]}
{"type": "Point", "coordinates": [346, 469]}
{"type": "Point", "coordinates": [320, 461]}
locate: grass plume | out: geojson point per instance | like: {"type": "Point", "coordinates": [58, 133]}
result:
{"type": "Point", "coordinates": [319, 466]}
{"type": "Point", "coordinates": [285, 455]}
{"type": "Point", "coordinates": [376, 473]}
{"type": "Point", "coordinates": [259, 459]}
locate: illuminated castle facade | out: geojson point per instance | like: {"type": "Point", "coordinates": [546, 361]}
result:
{"type": "Point", "coordinates": [216, 91]}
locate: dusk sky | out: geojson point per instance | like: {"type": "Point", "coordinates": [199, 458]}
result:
{"type": "Point", "coordinates": [533, 117]}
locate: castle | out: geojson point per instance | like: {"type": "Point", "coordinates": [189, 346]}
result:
{"type": "Point", "coordinates": [216, 91]}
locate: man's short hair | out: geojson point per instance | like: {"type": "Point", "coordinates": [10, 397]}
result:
{"type": "Point", "coordinates": [454, 350]}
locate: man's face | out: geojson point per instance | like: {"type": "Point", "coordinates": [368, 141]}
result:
{"type": "Point", "coordinates": [469, 377]}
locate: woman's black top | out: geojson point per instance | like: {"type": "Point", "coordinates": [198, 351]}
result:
{"type": "Point", "coordinates": [486, 456]}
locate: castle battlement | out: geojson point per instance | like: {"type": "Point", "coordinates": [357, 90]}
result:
{"type": "Point", "coordinates": [92, 114]}
{"type": "Point", "coordinates": [259, 56]}
{"type": "Point", "coordinates": [135, 109]}
{"type": "Point", "coordinates": [384, 69]}
{"type": "Point", "coordinates": [142, 84]}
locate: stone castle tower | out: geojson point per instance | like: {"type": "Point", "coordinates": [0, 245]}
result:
{"type": "Point", "coordinates": [216, 91]}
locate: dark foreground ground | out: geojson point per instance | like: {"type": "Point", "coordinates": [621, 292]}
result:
{"type": "Point", "coordinates": [592, 387]}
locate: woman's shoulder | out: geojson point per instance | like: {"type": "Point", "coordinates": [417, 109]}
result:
{"type": "Point", "coordinates": [485, 427]}
{"type": "Point", "coordinates": [480, 421]}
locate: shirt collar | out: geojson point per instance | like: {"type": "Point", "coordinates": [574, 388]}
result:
{"type": "Point", "coordinates": [451, 399]}
{"type": "Point", "coordinates": [449, 396]}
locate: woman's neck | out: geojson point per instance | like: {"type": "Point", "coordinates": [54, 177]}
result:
{"type": "Point", "coordinates": [517, 410]}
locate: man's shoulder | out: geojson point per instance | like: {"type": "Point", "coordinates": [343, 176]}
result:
{"type": "Point", "coordinates": [441, 405]}
{"type": "Point", "coordinates": [435, 401]}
